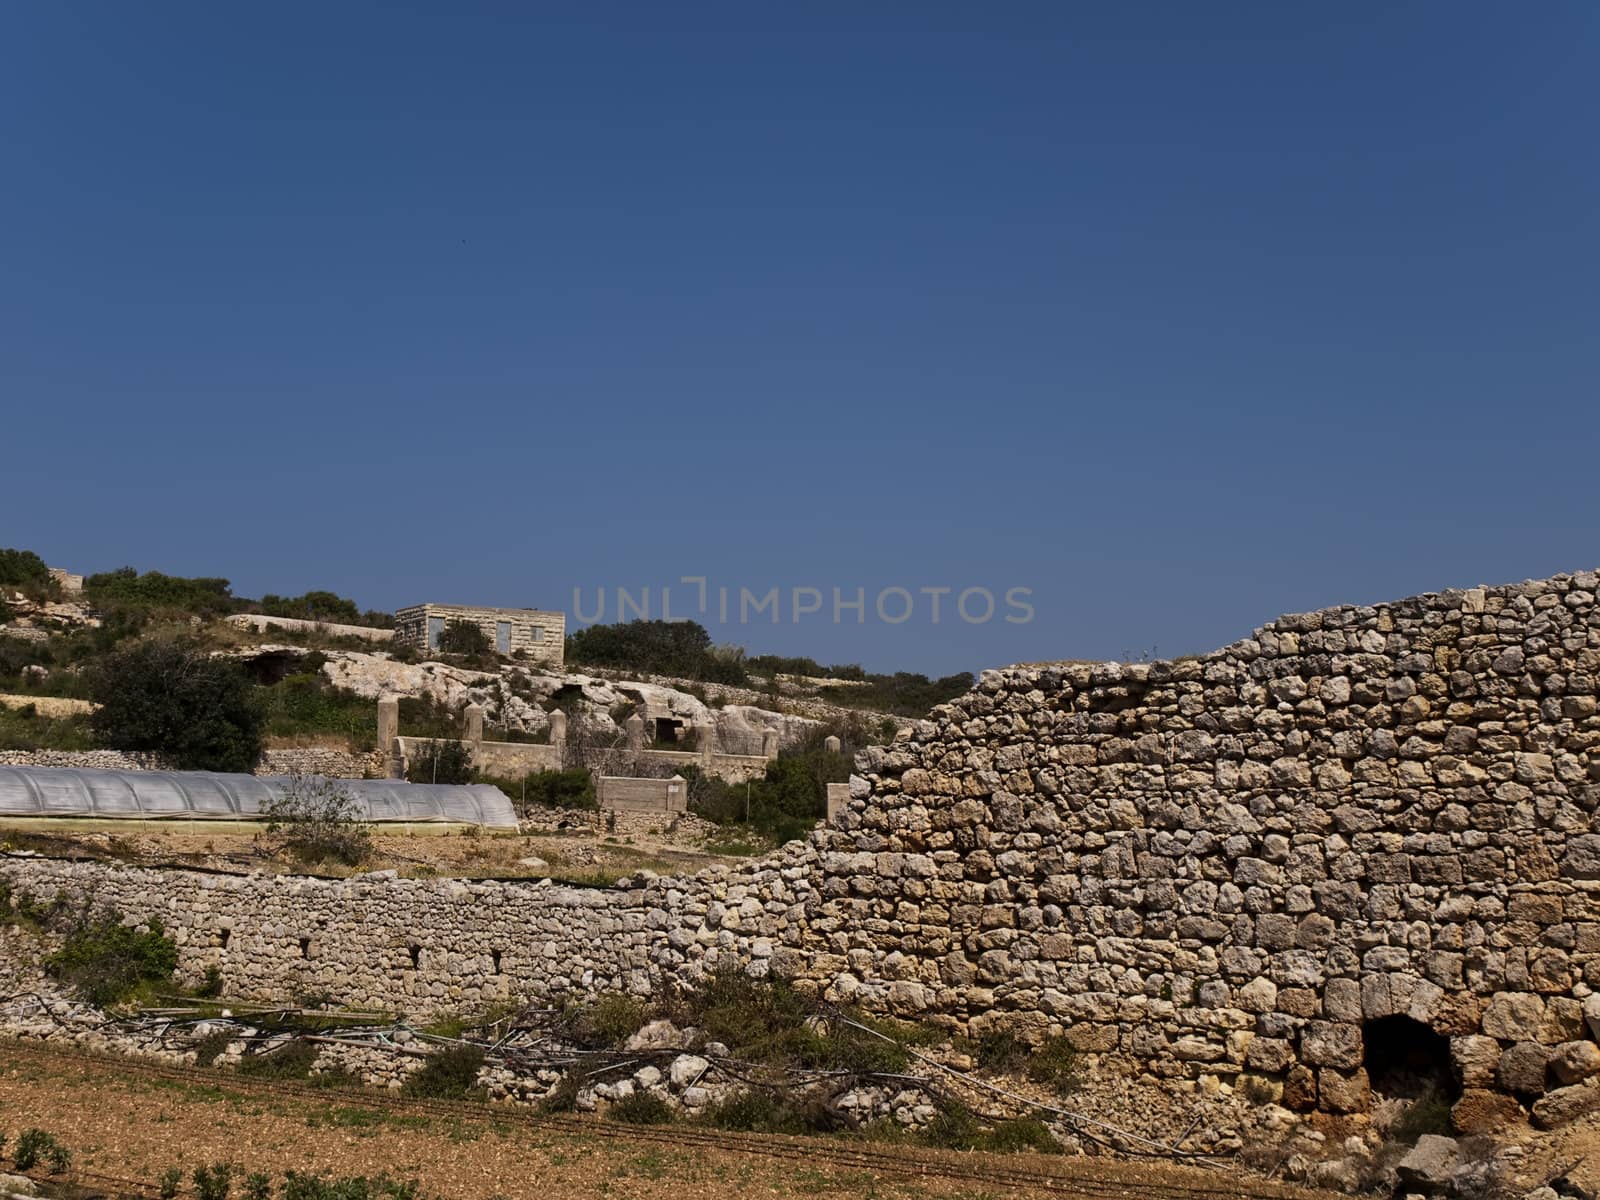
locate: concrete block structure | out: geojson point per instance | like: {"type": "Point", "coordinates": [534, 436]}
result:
{"type": "Point", "coordinates": [539, 635]}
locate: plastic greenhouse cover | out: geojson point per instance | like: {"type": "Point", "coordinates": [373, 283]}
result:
{"type": "Point", "coordinates": [204, 795]}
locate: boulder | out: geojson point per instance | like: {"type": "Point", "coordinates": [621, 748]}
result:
{"type": "Point", "coordinates": [1574, 1062]}
{"type": "Point", "coordinates": [1564, 1104]}
{"type": "Point", "coordinates": [657, 1035]}
{"type": "Point", "coordinates": [1481, 1111]}
{"type": "Point", "coordinates": [1343, 1091]}
{"type": "Point", "coordinates": [1522, 1068]}
{"type": "Point", "coordinates": [1430, 1165]}
{"type": "Point", "coordinates": [687, 1069]}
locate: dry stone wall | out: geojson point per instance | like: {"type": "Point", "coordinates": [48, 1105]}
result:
{"type": "Point", "coordinates": [1358, 823]}
{"type": "Point", "coordinates": [1240, 861]}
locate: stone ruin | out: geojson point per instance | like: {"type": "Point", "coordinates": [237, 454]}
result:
{"type": "Point", "coordinates": [1360, 842]}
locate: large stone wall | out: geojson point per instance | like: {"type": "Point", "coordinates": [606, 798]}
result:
{"type": "Point", "coordinates": [1227, 864]}
{"type": "Point", "coordinates": [1232, 862]}
{"type": "Point", "coordinates": [428, 946]}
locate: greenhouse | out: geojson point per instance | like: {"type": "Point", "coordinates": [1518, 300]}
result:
{"type": "Point", "coordinates": [202, 795]}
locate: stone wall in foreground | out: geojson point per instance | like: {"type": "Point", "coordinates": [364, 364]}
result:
{"type": "Point", "coordinates": [1234, 862]}
{"type": "Point", "coordinates": [1254, 861]}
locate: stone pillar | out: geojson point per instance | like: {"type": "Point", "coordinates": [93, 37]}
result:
{"type": "Point", "coordinates": [389, 736]}
{"type": "Point", "coordinates": [635, 728]}
{"type": "Point", "coordinates": [769, 744]}
{"type": "Point", "coordinates": [474, 715]}
{"type": "Point", "coordinates": [832, 744]}
{"type": "Point", "coordinates": [838, 800]}
{"type": "Point", "coordinates": [708, 747]}
{"type": "Point", "coordinates": [388, 721]}
{"type": "Point", "coordinates": [677, 794]}
{"type": "Point", "coordinates": [558, 728]}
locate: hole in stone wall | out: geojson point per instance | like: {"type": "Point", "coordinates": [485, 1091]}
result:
{"type": "Point", "coordinates": [1404, 1058]}
{"type": "Point", "coordinates": [227, 936]}
{"type": "Point", "coordinates": [416, 957]}
{"type": "Point", "coordinates": [305, 947]}
{"type": "Point", "coordinates": [495, 955]}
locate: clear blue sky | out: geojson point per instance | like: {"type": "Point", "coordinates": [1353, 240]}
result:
{"type": "Point", "coordinates": [1179, 315]}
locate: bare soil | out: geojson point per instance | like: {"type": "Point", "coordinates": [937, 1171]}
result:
{"type": "Point", "coordinates": [122, 1124]}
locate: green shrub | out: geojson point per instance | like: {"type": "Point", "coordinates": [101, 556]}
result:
{"type": "Point", "coordinates": [292, 1060]}
{"type": "Point", "coordinates": [127, 587]}
{"type": "Point", "coordinates": [953, 1128]}
{"type": "Point", "coordinates": [327, 607]}
{"type": "Point", "coordinates": [642, 1108]}
{"type": "Point", "coordinates": [1001, 1050]}
{"type": "Point", "coordinates": [36, 1147]}
{"type": "Point", "coordinates": [612, 1019]}
{"type": "Point", "coordinates": [1056, 1065]}
{"type": "Point", "coordinates": [307, 703]}
{"type": "Point", "coordinates": [208, 1048]}
{"type": "Point", "coordinates": [258, 1186]}
{"type": "Point", "coordinates": [446, 761]}
{"type": "Point", "coordinates": [463, 637]}
{"type": "Point", "coordinates": [319, 819]}
{"type": "Point", "coordinates": [107, 961]}
{"type": "Point", "coordinates": [563, 1097]}
{"type": "Point", "coordinates": [905, 693]}
{"type": "Point", "coordinates": [449, 1073]}
{"type": "Point", "coordinates": [214, 1182]}
{"type": "Point", "coordinates": [176, 700]}
{"type": "Point", "coordinates": [558, 789]}
{"type": "Point", "coordinates": [678, 648]}
{"type": "Point", "coordinates": [169, 1183]}
{"type": "Point", "coordinates": [1023, 1133]}
{"type": "Point", "coordinates": [783, 805]}
{"type": "Point", "coordinates": [24, 570]}
{"type": "Point", "coordinates": [25, 729]}
{"type": "Point", "coordinates": [299, 1186]}
{"type": "Point", "coordinates": [758, 1111]}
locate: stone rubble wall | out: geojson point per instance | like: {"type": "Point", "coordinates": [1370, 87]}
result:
{"type": "Point", "coordinates": [308, 760]}
{"type": "Point", "coordinates": [425, 947]}
{"type": "Point", "coordinates": [1211, 867]}
{"type": "Point", "coordinates": [1230, 863]}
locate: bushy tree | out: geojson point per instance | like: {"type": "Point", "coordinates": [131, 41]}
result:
{"type": "Point", "coordinates": [441, 761]}
{"type": "Point", "coordinates": [24, 569]}
{"type": "Point", "coordinates": [178, 701]}
{"type": "Point", "coordinates": [319, 819]}
{"type": "Point", "coordinates": [329, 607]}
{"type": "Point", "coordinates": [128, 588]}
{"type": "Point", "coordinates": [678, 648]}
{"type": "Point", "coordinates": [463, 637]}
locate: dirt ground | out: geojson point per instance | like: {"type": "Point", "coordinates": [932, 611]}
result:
{"type": "Point", "coordinates": [581, 854]}
{"type": "Point", "coordinates": [122, 1124]}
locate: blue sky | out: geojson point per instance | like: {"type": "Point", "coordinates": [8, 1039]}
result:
{"type": "Point", "coordinates": [1179, 316]}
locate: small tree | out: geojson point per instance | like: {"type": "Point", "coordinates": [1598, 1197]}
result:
{"type": "Point", "coordinates": [178, 701]}
{"type": "Point", "coordinates": [463, 637]}
{"type": "Point", "coordinates": [319, 819]}
{"type": "Point", "coordinates": [441, 761]}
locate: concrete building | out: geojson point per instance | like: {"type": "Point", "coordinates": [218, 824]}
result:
{"type": "Point", "coordinates": [539, 635]}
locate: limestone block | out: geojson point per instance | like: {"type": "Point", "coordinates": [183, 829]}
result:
{"type": "Point", "coordinates": [1565, 1104]}
{"type": "Point", "coordinates": [1514, 1016]}
{"type": "Point", "coordinates": [1522, 1068]}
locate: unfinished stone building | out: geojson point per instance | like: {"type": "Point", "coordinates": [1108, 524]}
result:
{"type": "Point", "coordinates": [538, 635]}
